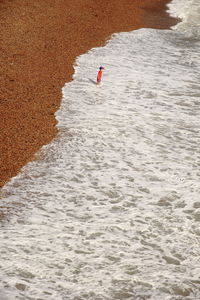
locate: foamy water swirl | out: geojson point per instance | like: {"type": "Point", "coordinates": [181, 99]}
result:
{"type": "Point", "coordinates": [112, 211]}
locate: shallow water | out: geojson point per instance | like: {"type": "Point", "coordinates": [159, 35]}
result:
{"type": "Point", "coordinates": [112, 210]}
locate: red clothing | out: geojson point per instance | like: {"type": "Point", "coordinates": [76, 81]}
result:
{"type": "Point", "coordinates": [99, 76]}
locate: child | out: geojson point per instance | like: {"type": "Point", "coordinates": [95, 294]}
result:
{"type": "Point", "coordinates": [99, 75]}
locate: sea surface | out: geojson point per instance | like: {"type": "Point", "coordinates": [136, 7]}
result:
{"type": "Point", "coordinates": [110, 210]}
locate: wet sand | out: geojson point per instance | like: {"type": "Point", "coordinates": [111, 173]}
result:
{"type": "Point", "coordinates": [40, 41]}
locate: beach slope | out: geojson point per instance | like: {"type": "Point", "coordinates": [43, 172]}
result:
{"type": "Point", "coordinates": [40, 41]}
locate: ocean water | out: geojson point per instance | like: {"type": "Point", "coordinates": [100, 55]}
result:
{"type": "Point", "coordinates": [111, 208]}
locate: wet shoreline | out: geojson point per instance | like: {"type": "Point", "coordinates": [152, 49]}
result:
{"type": "Point", "coordinates": [39, 47]}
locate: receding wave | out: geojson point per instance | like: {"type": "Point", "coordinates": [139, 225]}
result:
{"type": "Point", "coordinates": [111, 210]}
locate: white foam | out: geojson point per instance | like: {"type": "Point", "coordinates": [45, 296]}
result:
{"type": "Point", "coordinates": [189, 12]}
{"type": "Point", "coordinates": [180, 8]}
{"type": "Point", "coordinates": [112, 209]}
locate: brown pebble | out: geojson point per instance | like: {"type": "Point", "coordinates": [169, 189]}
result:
{"type": "Point", "coordinates": [40, 41]}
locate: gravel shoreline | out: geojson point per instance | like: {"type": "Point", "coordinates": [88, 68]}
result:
{"type": "Point", "coordinates": [40, 41]}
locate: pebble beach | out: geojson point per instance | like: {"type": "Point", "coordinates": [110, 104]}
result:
{"type": "Point", "coordinates": [40, 41]}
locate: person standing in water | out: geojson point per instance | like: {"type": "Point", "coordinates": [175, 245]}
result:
{"type": "Point", "coordinates": [99, 75]}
